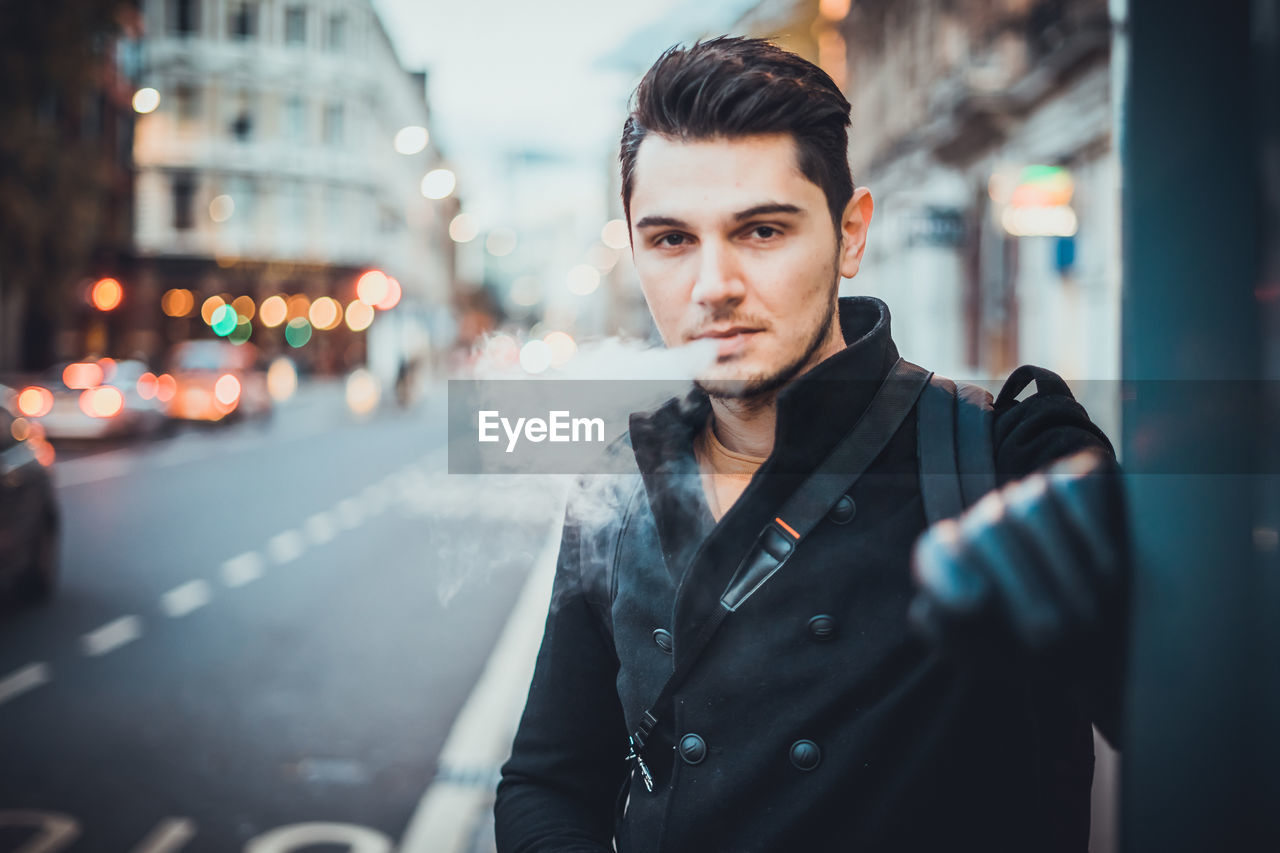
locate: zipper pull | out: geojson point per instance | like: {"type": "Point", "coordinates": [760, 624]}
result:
{"type": "Point", "coordinates": [634, 755]}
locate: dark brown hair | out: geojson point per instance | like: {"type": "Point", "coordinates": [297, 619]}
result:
{"type": "Point", "coordinates": [731, 87]}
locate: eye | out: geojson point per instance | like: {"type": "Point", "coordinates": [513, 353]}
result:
{"type": "Point", "coordinates": [671, 239]}
{"type": "Point", "coordinates": [765, 232]}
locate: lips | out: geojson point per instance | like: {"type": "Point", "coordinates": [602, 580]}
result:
{"type": "Point", "coordinates": [730, 340]}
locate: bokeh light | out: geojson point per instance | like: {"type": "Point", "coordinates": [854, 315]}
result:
{"type": "Point", "coordinates": [411, 139]}
{"type": "Point", "coordinates": [463, 228]}
{"type": "Point", "coordinates": [244, 306]}
{"type": "Point", "coordinates": [148, 384]}
{"type": "Point", "coordinates": [297, 333]}
{"type": "Point", "coordinates": [392, 299]}
{"type": "Point", "coordinates": [602, 257]}
{"type": "Point", "coordinates": [104, 401]}
{"type": "Point", "coordinates": [227, 389]}
{"type": "Point", "coordinates": [210, 305]}
{"type": "Point", "coordinates": [166, 387]}
{"type": "Point", "coordinates": [282, 378]}
{"type": "Point", "coordinates": [501, 350]}
{"type": "Point", "coordinates": [500, 242]}
{"type": "Point", "coordinates": [177, 302]}
{"type": "Point", "coordinates": [221, 208]}
{"type": "Point", "coordinates": [362, 391]}
{"type": "Point", "coordinates": [325, 313]}
{"type": "Point", "coordinates": [359, 316]}
{"type": "Point", "coordinates": [526, 291]}
{"type": "Point", "coordinates": [563, 347]}
{"type": "Point", "coordinates": [146, 100]}
{"type": "Point", "coordinates": [224, 320]}
{"type": "Point", "coordinates": [35, 402]}
{"type": "Point", "coordinates": [20, 429]}
{"type": "Point", "coordinates": [615, 234]}
{"type": "Point", "coordinates": [371, 288]}
{"type": "Point", "coordinates": [273, 311]}
{"type": "Point", "coordinates": [106, 294]}
{"type": "Point", "coordinates": [583, 279]}
{"type": "Point", "coordinates": [298, 307]}
{"type": "Point", "coordinates": [439, 183]}
{"type": "Point", "coordinates": [535, 356]}
{"type": "Point", "coordinates": [242, 332]}
{"type": "Point", "coordinates": [81, 374]}
{"type": "Point", "coordinates": [108, 366]}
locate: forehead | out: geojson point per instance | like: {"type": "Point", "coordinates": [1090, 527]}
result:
{"type": "Point", "coordinates": [685, 178]}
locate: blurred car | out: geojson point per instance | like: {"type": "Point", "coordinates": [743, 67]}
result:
{"type": "Point", "coordinates": [29, 518]}
{"type": "Point", "coordinates": [215, 380]}
{"type": "Point", "coordinates": [92, 399]}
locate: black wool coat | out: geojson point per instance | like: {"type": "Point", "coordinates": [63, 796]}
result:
{"type": "Point", "coordinates": [814, 720]}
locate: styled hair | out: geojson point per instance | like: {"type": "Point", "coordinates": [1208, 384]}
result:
{"type": "Point", "coordinates": [731, 87]}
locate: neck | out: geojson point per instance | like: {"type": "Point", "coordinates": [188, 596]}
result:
{"type": "Point", "coordinates": [748, 424]}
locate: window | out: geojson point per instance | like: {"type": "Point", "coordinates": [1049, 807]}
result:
{"type": "Point", "coordinates": [186, 102]}
{"type": "Point", "coordinates": [184, 190]}
{"type": "Point", "coordinates": [295, 26]}
{"type": "Point", "coordinates": [295, 119]}
{"type": "Point", "coordinates": [336, 33]}
{"type": "Point", "coordinates": [183, 17]}
{"type": "Point", "coordinates": [333, 125]}
{"type": "Point", "coordinates": [242, 123]}
{"type": "Point", "coordinates": [242, 23]}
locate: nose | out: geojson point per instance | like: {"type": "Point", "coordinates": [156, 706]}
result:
{"type": "Point", "coordinates": [719, 282]}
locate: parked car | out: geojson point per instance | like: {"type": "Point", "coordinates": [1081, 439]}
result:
{"type": "Point", "coordinates": [216, 380]}
{"type": "Point", "coordinates": [29, 517]}
{"type": "Point", "coordinates": [101, 398]}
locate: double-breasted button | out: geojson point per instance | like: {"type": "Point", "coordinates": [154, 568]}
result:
{"type": "Point", "coordinates": [693, 749]}
{"type": "Point", "coordinates": [822, 627]}
{"type": "Point", "coordinates": [805, 755]}
{"type": "Point", "coordinates": [662, 637]}
{"type": "Point", "coordinates": [844, 510]}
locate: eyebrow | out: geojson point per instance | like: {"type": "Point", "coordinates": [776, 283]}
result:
{"type": "Point", "coordinates": [749, 213]}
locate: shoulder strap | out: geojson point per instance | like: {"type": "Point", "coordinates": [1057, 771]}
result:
{"type": "Point", "coordinates": [801, 513]}
{"type": "Point", "coordinates": [954, 446]}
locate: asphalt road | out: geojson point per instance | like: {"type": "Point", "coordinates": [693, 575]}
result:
{"type": "Point", "coordinates": [263, 635]}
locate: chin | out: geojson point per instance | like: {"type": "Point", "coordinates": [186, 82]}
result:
{"type": "Point", "coordinates": [740, 385]}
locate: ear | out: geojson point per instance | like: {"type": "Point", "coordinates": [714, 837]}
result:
{"type": "Point", "coordinates": [853, 231]}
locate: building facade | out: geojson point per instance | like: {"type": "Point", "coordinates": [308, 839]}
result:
{"type": "Point", "coordinates": [272, 166]}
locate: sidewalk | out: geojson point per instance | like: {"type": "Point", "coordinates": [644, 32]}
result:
{"type": "Point", "coordinates": [455, 814]}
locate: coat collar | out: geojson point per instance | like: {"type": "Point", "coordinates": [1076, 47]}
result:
{"type": "Point", "coordinates": [814, 412]}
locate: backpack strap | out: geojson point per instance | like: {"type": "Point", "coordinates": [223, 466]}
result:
{"type": "Point", "coordinates": [954, 446]}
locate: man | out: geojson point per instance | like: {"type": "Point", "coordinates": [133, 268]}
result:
{"type": "Point", "coordinates": [805, 712]}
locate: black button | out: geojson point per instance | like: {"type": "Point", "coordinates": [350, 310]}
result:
{"type": "Point", "coordinates": [662, 637]}
{"type": "Point", "coordinates": [822, 627]}
{"type": "Point", "coordinates": [844, 510]}
{"type": "Point", "coordinates": [693, 749]}
{"type": "Point", "coordinates": [805, 755]}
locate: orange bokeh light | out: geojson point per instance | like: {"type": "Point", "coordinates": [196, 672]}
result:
{"type": "Point", "coordinates": [166, 387]}
{"type": "Point", "coordinates": [273, 311]}
{"type": "Point", "coordinates": [392, 299]}
{"type": "Point", "coordinates": [298, 306]}
{"type": "Point", "coordinates": [371, 288]}
{"type": "Point", "coordinates": [325, 313]}
{"type": "Point", "coordinates": [106, 294]}
{"type": "Point", "coordinates": [81, 375]}
{"type": "Point", "coordinates": [105, 401]}
{"type": "Point", "coordinates": [35, 402]}
{"type": "Point", "coordinates": [147, 386]}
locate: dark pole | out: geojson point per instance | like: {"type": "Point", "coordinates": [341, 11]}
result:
{"type": "Point", "coordinates": [1199, 770]}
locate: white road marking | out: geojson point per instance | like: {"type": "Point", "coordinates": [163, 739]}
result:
{"type": "Point", "coordinates": [56, 831]}
{"type": "Point", "coordinates": [20, 681]}
{"type": "Point", "coordinates": [112, 636]}
{"type": "Point", "coordinates": [285, 547]}
{"type": "Point", "coordinates": [243, 569]}
{"type": "Point", "coordinates": [181, 600]}
{"type": "Point", "coordinates": [285, 839]}
{"type": "Point", "coordinates": [170, 835]}
{"type": "Point", "coordinates": [319, 528]}
{"type": "Point", "coordinates": [350, 513]}
{"type": "Point", "coordinates": [450, 810]}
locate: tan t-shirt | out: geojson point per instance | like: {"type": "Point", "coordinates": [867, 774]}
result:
{"type": "Point", "coordinates": [725, 474]}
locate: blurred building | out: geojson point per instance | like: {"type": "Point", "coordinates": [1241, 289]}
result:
{"type": "Point", "coordinates": [275, 164]}
{"type": "Point", "coordinates": [66, 180]}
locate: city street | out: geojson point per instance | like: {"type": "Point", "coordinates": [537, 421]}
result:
{"type": "Point", "coordinates": [269, 625]}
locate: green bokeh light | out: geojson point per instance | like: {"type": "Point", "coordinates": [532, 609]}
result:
{"type": "Point", "coordinates": [298, 332]}
{"type": "Point", "coordinates": [240, 334]}
{"type": "Point", "coordinates": [223, 321]}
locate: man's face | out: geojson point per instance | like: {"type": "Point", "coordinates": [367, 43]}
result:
{"type": "Point", "coordinates": [732, 242]}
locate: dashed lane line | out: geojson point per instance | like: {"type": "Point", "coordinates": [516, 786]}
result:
{"type": "Point", "coordinates": [319, 528]}
{"type": "Point", "coordinates": [242, 569]}
{"type": "Point", "coordinates": [183, 599]}
{"type": "Point", "coordinates": [286, 547]}
{"type": "Point", "coordinates": [112, 636]}
{"type": "Point", "coordinates": [22, 680]}
{"type": "Point", "coordinates": [350, 513]}
{"type": "Point", "coordinates": [169, 836]}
